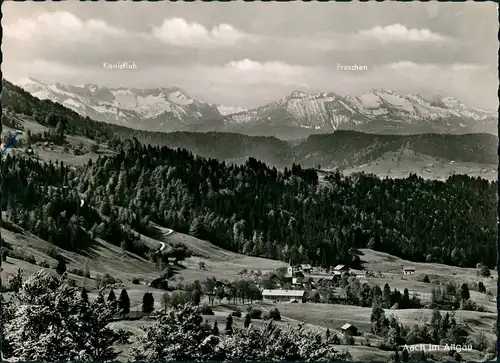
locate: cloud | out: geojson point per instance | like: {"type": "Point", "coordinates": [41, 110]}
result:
{"type": "Point", "coordinates": [248, 71]}
{"type": "Point", "coordinates": [276, 67]}
{"type": "Point", "coordinates": [400, 33]}
{"type": "Point", "coordinates": [454, 67]}
{"type": "Point", "coordinates": [60, 25]}
{"type": "Point", "coordinates": [178, 31]}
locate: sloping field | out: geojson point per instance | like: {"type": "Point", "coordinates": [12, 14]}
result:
{"type": "Point", "coordinates": [400, 165]}
{"type": "Point", "coordinates": [390, 266]}
{"type": "Point", "coordinates": [101, 258]}
{"type": "Point", "coordinates": [219, 263]}
{"type": "Point", "coordinates": [334, 316]}
{"type": "Point", "coordinates": [55, 152]}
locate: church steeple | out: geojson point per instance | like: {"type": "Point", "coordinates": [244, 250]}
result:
{"type": "Point", "coordinates": [290, 267]}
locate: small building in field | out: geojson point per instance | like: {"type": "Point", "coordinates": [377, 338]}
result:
{"type": "Point", "coordinates": [408, 270]}
{"type": "Point", "coordinates": [341, 268]}
{"type": "Point", "coordinates": [280, 295]}
{"type": "Point", "coordinates": [306, 268]}
{"type": "Point", "coordinates": [349, 330]}
{"type": "Point", "coordinates": [361, 275]}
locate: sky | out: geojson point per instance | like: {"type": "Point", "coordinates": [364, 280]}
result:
{"type": "Point", "coordinates": [249, 54]}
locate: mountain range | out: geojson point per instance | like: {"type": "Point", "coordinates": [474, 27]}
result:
{"type": "Point", "coordinates": [434, 156]}
{"type": "Point", "coordinates": [297, 115]}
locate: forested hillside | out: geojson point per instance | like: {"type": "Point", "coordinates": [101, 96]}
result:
{"type": "Point", "coordinates": [346, 148]}
{"type": "Point", "coordinates": [340, 149]}
{"type": "Point", "coordinates": [255, 209]}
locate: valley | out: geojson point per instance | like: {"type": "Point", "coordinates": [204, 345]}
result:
{"type": "Point", "coordinates": [187, 183]}
{"type": "Point", "coordinates": [119, 177]}
{"type": "Point", "coordinates": [227, 266]}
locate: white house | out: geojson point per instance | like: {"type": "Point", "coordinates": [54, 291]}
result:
{"type": "Point", "coordinates": [284, 295]}
{"type": "Point", "coordinates": [408, 270]}
{"type": "Point", "coordinates": [306, 268]}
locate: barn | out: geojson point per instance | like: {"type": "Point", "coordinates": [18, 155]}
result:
{"type": "Point", "coordinates": [349, 329]}
{"type": "Point", "coordinates": [280, 295]}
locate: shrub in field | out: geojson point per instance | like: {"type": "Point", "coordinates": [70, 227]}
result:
{"type": "Point", "coordinates": [275, 314]}
{"type": "Point", "coordinates": [206, 310]}
{"type": "Point", "coordinates": [236, 313]}
{"type": "Point", "coordinates": [255, 313]}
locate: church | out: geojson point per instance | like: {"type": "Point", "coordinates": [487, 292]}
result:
{"type": "Point", "coordinates": [292, 274]}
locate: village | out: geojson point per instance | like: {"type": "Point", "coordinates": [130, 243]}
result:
{"type": "Point", "coordinates": [301, 283]}
{"type": "Point", "coordinates": [303, 277]}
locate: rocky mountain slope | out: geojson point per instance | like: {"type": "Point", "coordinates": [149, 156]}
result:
{"type": "Point", "coordinates": [160, 109]}
{"type": "Point", "coordinates": [294, 116]}
{"type": "Point", "coordinates": [379, 110]}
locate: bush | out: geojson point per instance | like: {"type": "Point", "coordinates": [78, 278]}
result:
{"type": "Point", "coordinates": [483, 271]}
{"type": "Point", "coordinates": [206, 310]}
{"type": "Point", "coordinates": [236, 313]}
{"type": "Point", "coordinates": [135, 281]}
{"type": "Point", "coordinates": [255, 313]}
{"type": "Point", "coordinates": [77, 271]}
{"type": "Point", "coordinates": [44, 264]}
{"type": "Point", "coordinates": [470, 305]}
{"type": "Point", "coordinates": [275, 314]}
{"type": "Point", "coordinates": [23, 256]}
{"type": "Point", "coordinates": [348, 339]}
{"type": "Point", "coordinates": [106, 280]}
{"type": "Point", "coordinates": [52, 252]}
{"type": "Point", "coordinates": [457, 356]}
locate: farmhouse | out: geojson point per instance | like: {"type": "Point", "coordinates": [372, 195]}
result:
{"type": "Point", "coordinates": [408, 270]}
{"type": "Point", "coordinates": [284, 295]}
{"type": "Point", "coordinates": [340, 269]}
{"type": "Point", "coordinates": [306, 268]}
{"type": "Point", "coordinates": [361, 275]}
{"type": "Point", "coordinates": [349, 329]}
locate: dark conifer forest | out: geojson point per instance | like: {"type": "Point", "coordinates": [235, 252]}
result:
{"type": "Point", "coordinates": [252, 208]}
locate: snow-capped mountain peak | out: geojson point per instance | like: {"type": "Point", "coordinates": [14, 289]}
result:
{"type": "Point", "coordinates": [229, 110]}
{"type": "Point", "coordinates": [156, 109]}
{"type": "Point", "coordinates": [171, 108]}
{"type": "Point", "coordinates": [377, 110]}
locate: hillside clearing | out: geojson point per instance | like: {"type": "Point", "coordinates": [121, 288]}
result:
{"type": "Point", "coordinates": [219, 263]}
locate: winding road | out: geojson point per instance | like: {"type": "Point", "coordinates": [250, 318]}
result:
{"type": "Point", "coordinates": [167, 232]}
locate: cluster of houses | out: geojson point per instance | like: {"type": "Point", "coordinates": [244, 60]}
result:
{"type": "Point", "coordinates": [294, 278]}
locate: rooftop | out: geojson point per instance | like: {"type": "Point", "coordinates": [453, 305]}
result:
{"type": "Point", "coordinates": [280, 292]}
